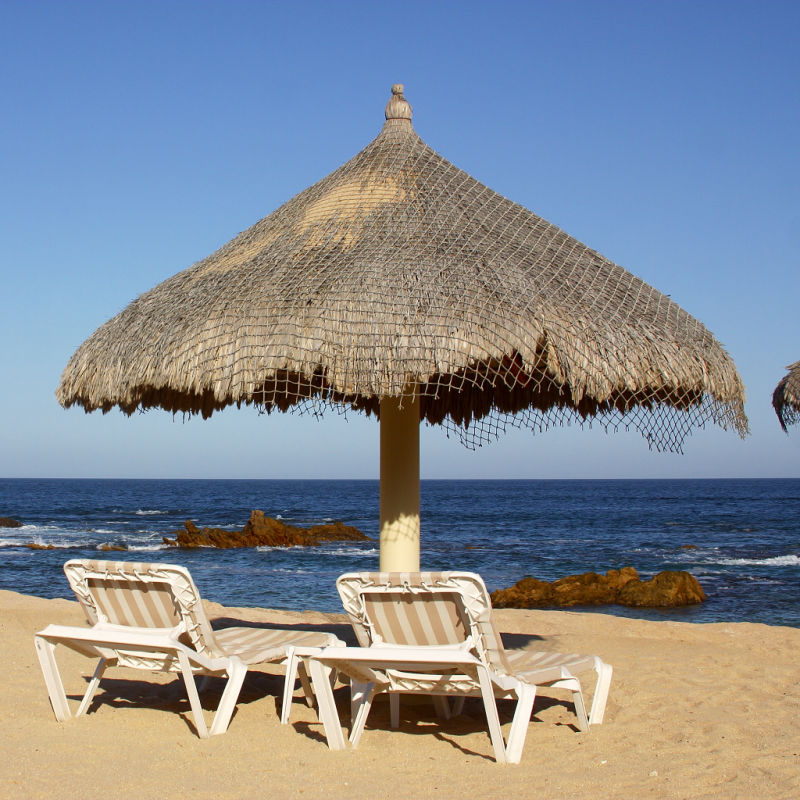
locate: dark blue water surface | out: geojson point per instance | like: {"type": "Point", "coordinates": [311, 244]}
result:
{"type": "Point", "coordinates": [740, 538]}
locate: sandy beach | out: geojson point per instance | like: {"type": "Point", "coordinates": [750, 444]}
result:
{"type": "Point", "coordinates": [695, 711]}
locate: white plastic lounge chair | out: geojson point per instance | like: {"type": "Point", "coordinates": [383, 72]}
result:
{"type": "Point", "coordinates": [433, 633]}
{"type": "Point", "coordinates": [150, 616]}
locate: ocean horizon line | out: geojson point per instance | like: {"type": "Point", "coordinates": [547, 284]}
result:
{"type": "Point", "coordinates": [422, 480]}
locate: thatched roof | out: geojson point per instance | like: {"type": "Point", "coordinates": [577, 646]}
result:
{"type": "Point", "coordinates": [786, 397]}
{"type": "Point", "coordinates": [399, 269]}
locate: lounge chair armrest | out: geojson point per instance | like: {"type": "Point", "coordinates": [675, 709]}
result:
{"type": "Point", "coordinates": [157, 640]}
{"type": "Point", "coordinates": [394, 655]}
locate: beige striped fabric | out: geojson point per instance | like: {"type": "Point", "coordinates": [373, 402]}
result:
{"type": "Point", "coordinates": [408, 619]}
{"type": "Point", "coordinates": [543, 667]}
{"type": "Point", "coordinates": [443, 608]}
{"type": "Point", "coordinates": [153, 595]}
{"type": "Point", "coordinates": [450, 605]}
{"type": "Point", "coordinates": [125, 602]}
{"type": "Point", "coordinates": [142, 594]}
{"type": "Point", "coordinates": [260, 645]}
{"type": "Point", "coordinates": [150, 616]}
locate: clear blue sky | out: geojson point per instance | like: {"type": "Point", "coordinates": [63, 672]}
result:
{"type": "Point", "coordinates": [137, 137]}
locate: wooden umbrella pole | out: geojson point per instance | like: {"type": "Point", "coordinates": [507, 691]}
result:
{"type": "Point", "coordinates": [400, 484]}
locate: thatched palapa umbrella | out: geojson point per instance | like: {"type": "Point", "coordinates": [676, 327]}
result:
{"type": "Point", "coordinates": [786, 397]}
{"type": "Point", "coordinates": [400, 286]}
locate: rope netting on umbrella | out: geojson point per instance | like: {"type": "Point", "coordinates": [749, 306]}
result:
{"type": "Point", "coordinates": [399, 272]}
{"type": "Point", "coordinates": [663, 426]}
{"type": "Point", "coordinates": [786, 397]}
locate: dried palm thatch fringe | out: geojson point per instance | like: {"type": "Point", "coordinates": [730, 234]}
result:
{"type": "Point", "coordinates": [786, 397]}
{"type": "Point", "coordinates": [400, 270]}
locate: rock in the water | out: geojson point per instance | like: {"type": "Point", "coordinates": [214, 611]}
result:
{"type": "Point", "coordinates": [7, 522]}
{"type": "Point", "coordinates": [617, 586]}
{"type": "Point", "coordinates": [263, 531]}
{"type": "Point", "coordinates": [668, 588]}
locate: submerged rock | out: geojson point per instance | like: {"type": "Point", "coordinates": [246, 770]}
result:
{"type": "Point", "coordinates": [263, 531]}
{"type": "Point", "coordinates": [616, 587]}
{"type": "Point", "coordinates": [7, 522]}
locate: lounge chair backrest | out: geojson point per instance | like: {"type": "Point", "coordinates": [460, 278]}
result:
{"type": "Point", "coordinates": [423, 608]}
{"type": "Point", "coordinates": [142, 595]}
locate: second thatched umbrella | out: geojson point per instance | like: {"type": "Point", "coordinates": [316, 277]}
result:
{"type": "Point", "coordinates": [400, 286]}
{"type": "Point", "coordinates": [786, 397]}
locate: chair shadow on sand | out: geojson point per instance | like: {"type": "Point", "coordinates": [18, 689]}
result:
{"type": "Point", "coordinates": [418, 715]}
{"type": "Point", "coordinates": [418, 718]}
{"type": "Point", "coordinates": [170, 695]}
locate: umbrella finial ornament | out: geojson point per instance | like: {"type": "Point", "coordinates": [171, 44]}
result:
{"type": "Point", "coordinates": [398, 107]}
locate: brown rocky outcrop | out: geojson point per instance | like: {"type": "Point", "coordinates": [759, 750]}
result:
{"type": "Point", "coordinates": [7, 522]}
{"type": "Point", "coordinates": [616, 587]}
{"type": "Point", "coordinates": [263, 531]}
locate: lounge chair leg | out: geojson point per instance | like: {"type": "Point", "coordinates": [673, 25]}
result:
{"type": "Point", "coordinates": [580, 710]}
{"type": "Point", "coordinates": [360, 719]}
{"type": "Point", "coordinates": [320, 676]}
{"type": "Point", "coordinates": [492, 717]}
{"type": "Point", "coordinates": [292, 661]}
{"type": "Point", "coordinates": [358, 691]}
{"type": "Point", "coordinates": [308, 691]}
{"type": "Point", "coordinates": [52, 678]}
{"type": "Point", "coordinates": [442, 706]}
{"type": "Point", "coordinates": [230, 695]}
{"type": "Point", "coordinates": [604, 672]}
{"type": "Point", "coordinates": [526, 694]}
{"type": "Point", "coordinates": [92, 687]}
{"type": "Point", "coordinates": [574, 686]}
{"type": "Point", "coordinates": [194, 698]}
{"type": "Point", "coordinates": [458, 705]}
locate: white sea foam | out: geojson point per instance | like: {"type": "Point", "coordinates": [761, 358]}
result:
{"type": "Point", "coordinates": [266, 548]}
{"type": "Point", "coordinates": [352, 552]}
{"type": "Point", "coordinates": [146, 512]}
{"type": "Point", "coordinates": [777, 561]}
{"type": "Point", "coordinates": [44, 536]}
{"type": "Point", "coordinates": [39, 528]}
{"type": "Point", "coordinates": [141, 548]}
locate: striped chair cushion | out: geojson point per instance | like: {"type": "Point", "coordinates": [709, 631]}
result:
{"type": "Point", "coordinates": [259, 645]}
{"type": "Point", "coordinates": [543, 667]}
{"type": "Point", "coordinates": [406, 618]}
{"type": "Point", "coordinates": [143, 605]}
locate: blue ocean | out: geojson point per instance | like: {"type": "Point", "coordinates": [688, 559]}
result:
{"type": "Point", "coordinates": [739, 538]}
